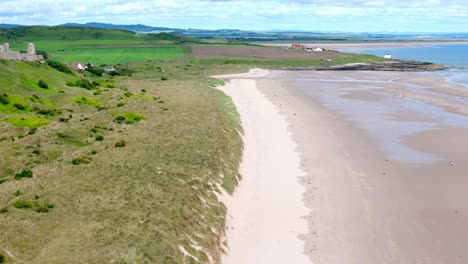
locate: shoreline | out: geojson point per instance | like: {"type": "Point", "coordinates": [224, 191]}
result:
{"type": "Point", "coordinates": [266, 214]}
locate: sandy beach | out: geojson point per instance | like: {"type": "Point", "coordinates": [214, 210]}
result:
{"type": "Point", "coordinates": [381, 157]}
{"type": "Point", "coordinates": [266, 213]}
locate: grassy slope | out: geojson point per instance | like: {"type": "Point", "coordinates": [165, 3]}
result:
{"type": "Point", "coordinates": [136, 203]}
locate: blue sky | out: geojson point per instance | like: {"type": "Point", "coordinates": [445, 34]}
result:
{"type": "Point", "coordinates": [310, 15]}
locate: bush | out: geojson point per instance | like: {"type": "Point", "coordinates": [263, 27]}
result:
{"type": "Point", "coordinates": [99, 138]}
{"type": "Point", "coordinates": [59, 66]}
{"type": "Point", "coordinates": [2, 258]}
{"type": "Point", "coordinates": [44, 54]}
{"type": "Point", "coordinates": [42, 84]}
{"type": "Point", "coordinates": [27, 173]}
{"type": "Point", "coordinates": [36, 152]}
{"type": "Point", "coordinates": [95, 71]}
{"type": "Point", "coordinates": [80, 160]}
{"type": "Point", "coordinates": [83, 83]}
{"type": "Point", "coordinates": [70, 83]}
{"type": "Point", "coordinates": [19, 106]}
{"type": "Point", "coordinates": [120, 144]}
{"type": "Point", "coordinates": [21, 204]}
{"type": "Point", "coordinates": [4, 99]}
{"type": "Point", "coordinates": [119, 119]}
{"type": "Point", "coordinates": [3, 210]}
{"type": "Point", "coordinates": [163, 78]}
{"type": "Point", "coordinates": [120, 104]}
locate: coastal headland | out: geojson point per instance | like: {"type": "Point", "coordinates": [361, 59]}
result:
{"type": "Point", "coordinates": [382, 158]}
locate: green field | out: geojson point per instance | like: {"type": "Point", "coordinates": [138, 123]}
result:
{"type": "Point", "coordinates": [118, 55]}
{"type": "Point", "coordinates": [97, 46]}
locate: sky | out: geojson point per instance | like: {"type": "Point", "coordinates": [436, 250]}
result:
{"type": "Point", "coordinates": [306, 15]}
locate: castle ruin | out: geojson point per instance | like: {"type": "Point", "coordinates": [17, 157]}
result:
{"type": "Point", "coordinates": [30, 55]}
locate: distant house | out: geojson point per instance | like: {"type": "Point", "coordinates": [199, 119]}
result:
{"type": "Point", "coordinates": [317, 49]}
{"type": "Point", "coordinates": [109, 68]}
{"type": "Point", "coordinates": [78, 66]}
{"type": "Point", "coordinates": [297, 46]}
{"type": "Point", "coordinates": [387, 56]}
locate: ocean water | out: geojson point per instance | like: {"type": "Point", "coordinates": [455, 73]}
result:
{"type": "Point", "coordinates": [455, 55]}
{"type": "Point", "coordinates": [448, 54]}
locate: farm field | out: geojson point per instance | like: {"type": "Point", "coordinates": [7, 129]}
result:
{"type": "Point", "coordinates": [118, 55]}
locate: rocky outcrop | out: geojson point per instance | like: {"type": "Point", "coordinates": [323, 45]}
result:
{"type": "Point", "coordinates": [393, 65]}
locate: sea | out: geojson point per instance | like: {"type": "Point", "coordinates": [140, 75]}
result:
{"type": "Point", "coordinates": [454, 55]}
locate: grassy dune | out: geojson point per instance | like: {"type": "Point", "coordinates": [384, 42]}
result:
{"type": "Point", "coordinates": [104, 191]}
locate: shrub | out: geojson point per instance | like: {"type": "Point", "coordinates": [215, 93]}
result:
{"type": "Point", "coordinates": [19, 106]}
{"type": "Point", "coordinates": [80, 160]}
{"type": "Point", "coordinates": [21, 204]}
{"type": "Point", "coordinates": [59, 66]}
{"type": "Point", "coordinates": [119, 119]}
{"type": "Point", "coordinates": [17, 193]}
{"type": "Point", "coordinates": [3, 210]}
{"type": "Point", "coordinates": [26, 173]}
{"type": "Point", "coordinates": [4, 99]}
{"type": "Point", "coordinates": [83, 83]}
{"type": "Point", "coordinates": [99, 138]}
{"type": "Point", "coordinates": [70, 83]}
{"type": "Point", "coordinates": [42, 84]}
{"type": "Point", "coordinates": [95, 71]}
{"type": "Point", "coordinates": [32, 131]}
{"type": "Point", "coordinates": [120, 144]}
{"type": "Point", "coordinates": [120, 104]}
{"type": "Point", "coordinates": [2, 258]}
{"type": "Point", "coordinates": [36, 152]}
{"type": "Point", "coordinates": [143, 90]}
{"type": "Point", "coordinates": [44, 54]}
{"type": "Point", "coordinates": [163, 78]}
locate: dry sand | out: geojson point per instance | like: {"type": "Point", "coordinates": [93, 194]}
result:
{"type": "Point", "coordinates": [375, 149]}
{"type": "Point", "coordinates": [265, 214]}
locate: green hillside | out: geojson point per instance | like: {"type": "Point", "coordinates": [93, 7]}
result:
{"type": "Point", "coordinates": [38, 33]}
{"type": "Point", "coordinates": [126, 172]}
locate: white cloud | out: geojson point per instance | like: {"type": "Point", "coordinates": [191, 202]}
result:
{"type": "Point", "coordinates": [260, 14]}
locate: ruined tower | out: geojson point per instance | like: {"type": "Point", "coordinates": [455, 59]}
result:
{"type": "Point", "coordinates": [31, 49]}
{"type": "Point", "coordinates": [7, 47]}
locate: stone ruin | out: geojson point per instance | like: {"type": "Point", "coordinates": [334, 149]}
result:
{"type": "Point", "coordinates": [30, 55]}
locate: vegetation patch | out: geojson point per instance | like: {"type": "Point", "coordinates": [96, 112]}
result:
{"type": "Point", "coordinates": [81, 160]}
{"type": "Point", "coordinates": [85, 100]}
{"type": "Point", "coordinates": [30, 121]}
{"type": "Point", "coordinates": [59, 66]}
{"type": "Point", "coordinates": [128, 117]}
{"type": "Point", "coordinates": [14, 104]}
{"type": "Point", "coordinates": [42, 84]}
{"type": "Point", "coordinates": [38, 206]}
{"type": "Point", "coordinates": [26, 173]}
{"type": "Point", "coordinates": [72, 141]}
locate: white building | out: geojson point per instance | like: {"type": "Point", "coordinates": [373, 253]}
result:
{"type": "Point", "coordinates": [317, 49]}
{"type": "Point", "coordinates": [387, 56]}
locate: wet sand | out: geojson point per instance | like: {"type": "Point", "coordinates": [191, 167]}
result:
{"type": "Point", "coordinates": [385, 156]}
